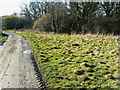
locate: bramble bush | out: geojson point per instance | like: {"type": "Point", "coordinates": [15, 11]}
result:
{"type": "Point", "coordinates": [44, 23]}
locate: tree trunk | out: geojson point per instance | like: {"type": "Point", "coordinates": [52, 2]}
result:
{"type": "Point", "coordinates": [0, 25]}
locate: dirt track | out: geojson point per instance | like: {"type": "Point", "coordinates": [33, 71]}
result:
{"type": "Point", "coordinates": [16, 67]}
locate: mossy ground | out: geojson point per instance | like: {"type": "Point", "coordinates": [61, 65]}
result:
{"type": "Point", "coordinates": [82, 61]}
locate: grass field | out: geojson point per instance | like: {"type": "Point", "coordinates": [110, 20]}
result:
{"type": "Point", "coordinates": [76, 61]}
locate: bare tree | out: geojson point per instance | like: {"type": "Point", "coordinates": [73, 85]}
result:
{"type": "Point", "coordinates": [0, 25]}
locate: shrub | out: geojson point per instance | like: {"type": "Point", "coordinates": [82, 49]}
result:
{"type": "Point", "coordinates": [44, 23]}
{"type": "Point", "coordinates": [27, 23]}
{"type": "Point", "coordinates": [12, 22]}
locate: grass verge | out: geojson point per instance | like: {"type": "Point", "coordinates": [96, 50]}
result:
{"type": "Point", "coordinates": [2, 38]}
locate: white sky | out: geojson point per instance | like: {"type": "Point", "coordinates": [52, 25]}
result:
{"type": "Point", "coordinates": [8, 7]}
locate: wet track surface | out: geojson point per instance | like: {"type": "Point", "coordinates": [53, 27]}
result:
{"type": "Point", "coordinates": [17, 68]}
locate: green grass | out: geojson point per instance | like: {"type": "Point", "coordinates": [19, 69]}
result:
{"type": "Point", "coordinates": [2, 38]}
{"type": "Point", "coordinates": [82, 61]}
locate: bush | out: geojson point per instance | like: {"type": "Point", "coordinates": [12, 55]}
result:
{"type": "Point", "coordinates": [12, 22]}
{"type": "Point", "coordinates": [44, 23]}
{"type": "Point", "coordinates": [109, 25]}
{"type": "Point", "coordinates": [27, 23]}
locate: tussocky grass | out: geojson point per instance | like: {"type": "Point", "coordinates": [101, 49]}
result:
{"type": "Point", "coordinates": [76, 61]}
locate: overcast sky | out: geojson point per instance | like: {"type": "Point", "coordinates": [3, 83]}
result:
{"type": "Point", "coordinates": [8, 7]}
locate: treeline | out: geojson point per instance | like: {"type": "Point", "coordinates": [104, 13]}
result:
{"type": "Point", "coordinates": [67, 17]}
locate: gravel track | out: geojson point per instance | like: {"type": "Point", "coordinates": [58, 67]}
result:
{"type": "Point", "coordinates": [17, 69]}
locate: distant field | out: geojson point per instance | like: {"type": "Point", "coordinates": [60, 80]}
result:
{"type": "Point", "coordinates": [76, 61]}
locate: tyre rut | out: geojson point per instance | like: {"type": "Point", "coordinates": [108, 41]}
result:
{"type": "Point", "coordinates": [19, 68]}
